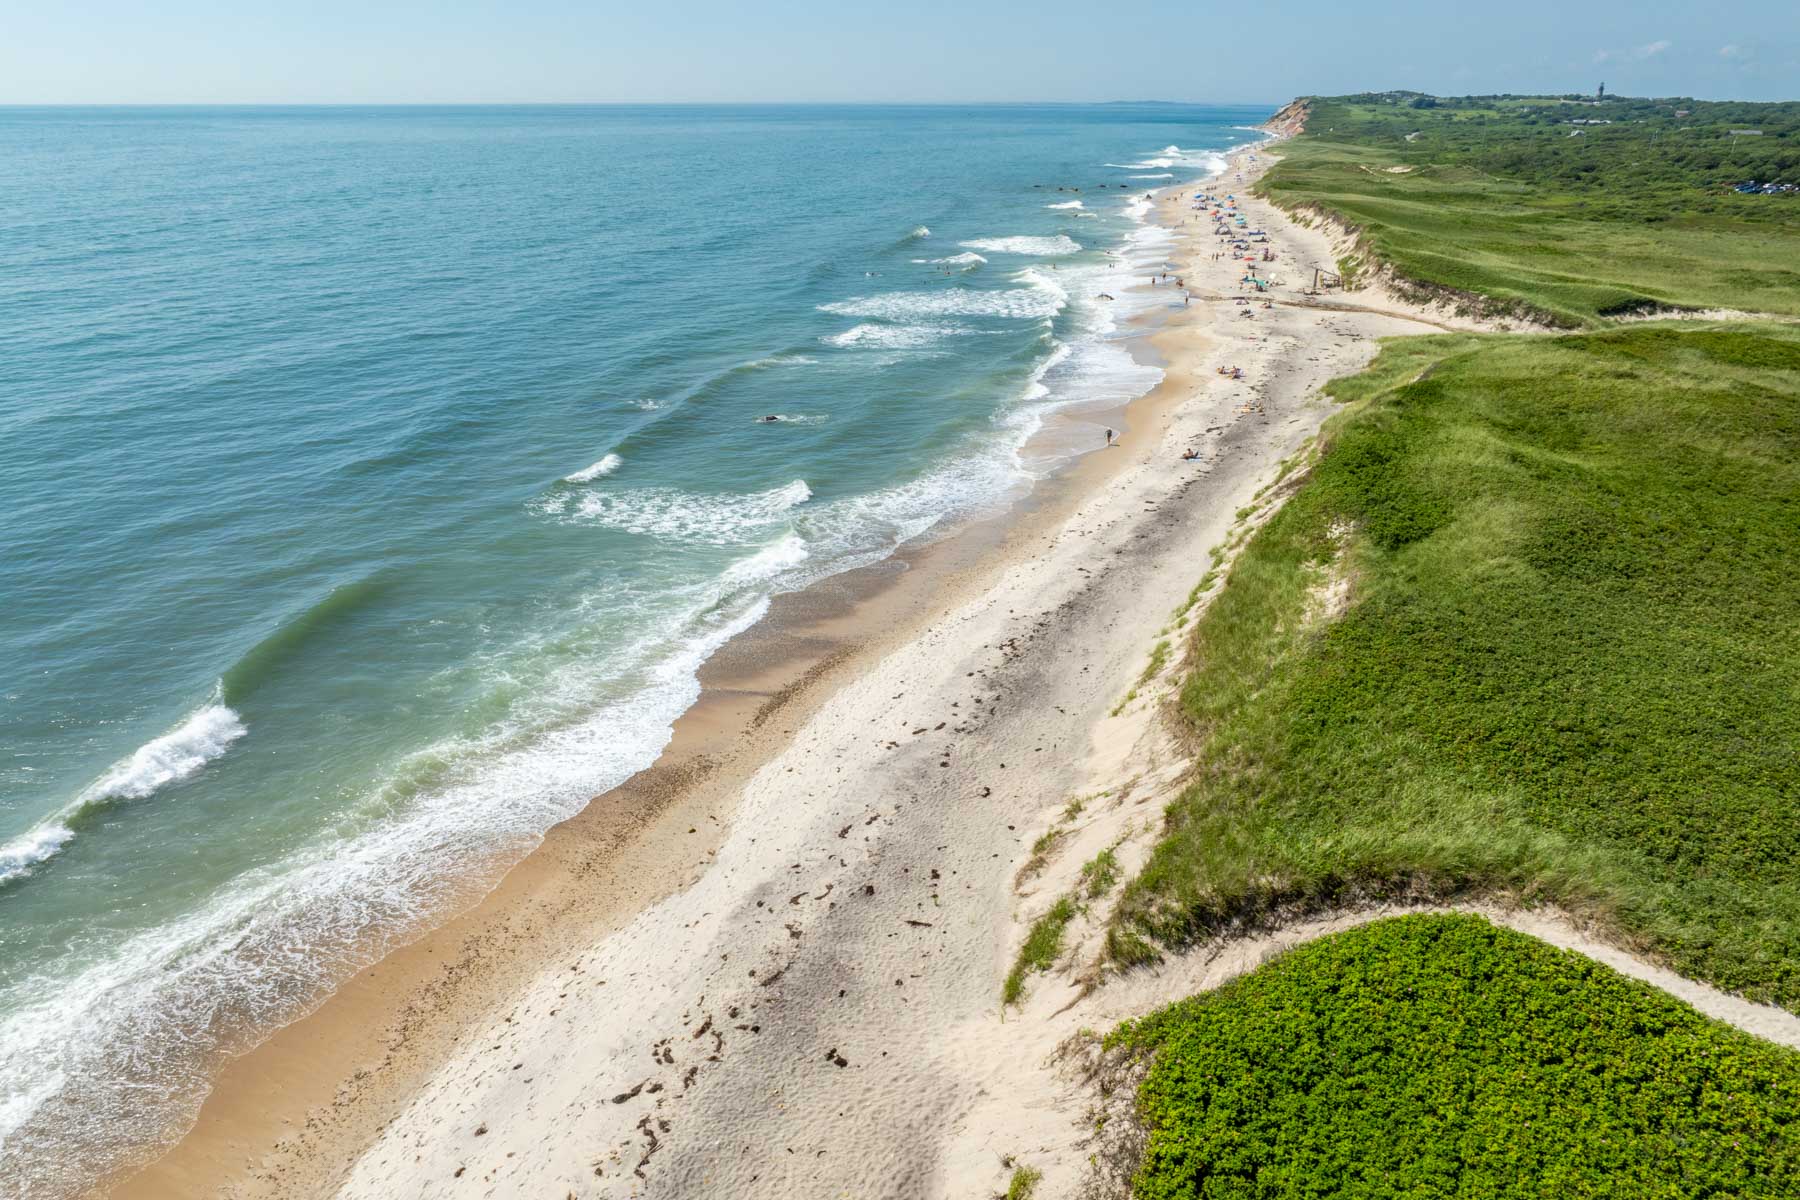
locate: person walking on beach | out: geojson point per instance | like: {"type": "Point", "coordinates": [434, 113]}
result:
{"type": "Point", "coordinates": [1109, 437]}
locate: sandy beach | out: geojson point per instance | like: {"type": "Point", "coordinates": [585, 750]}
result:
{"type": "Point", "coordinates": [770, 966]}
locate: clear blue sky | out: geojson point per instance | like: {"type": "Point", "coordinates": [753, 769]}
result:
{"type": "Point", "coordinates": [410, 51]}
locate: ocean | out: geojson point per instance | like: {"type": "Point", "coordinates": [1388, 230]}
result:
{"type": "Point", "coordinates": [373, 483]}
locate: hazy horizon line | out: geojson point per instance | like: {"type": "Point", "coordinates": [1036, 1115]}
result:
{"type": "Point", "coordinates": [622, 103]}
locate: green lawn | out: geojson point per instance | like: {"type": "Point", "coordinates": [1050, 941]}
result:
{"type": "Point", "coordinates": [1568, 669]}
{"type": "Point", "coordinates": [1500, 201]}
{"type": "Point", "coordinates": [1441, 1056]}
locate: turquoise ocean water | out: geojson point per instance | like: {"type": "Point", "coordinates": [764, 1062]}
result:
{"type": "Point", "coordinates": [373, 483]}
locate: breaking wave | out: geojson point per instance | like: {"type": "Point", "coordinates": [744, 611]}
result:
{"type": "Point", "coordinates": [1043, 299]}
{"type": "Point", "coordinates": [965, 261]}
{"type": "Point", "coordinates": [606, 466]}
{"type": "Point", "coordinates": [677, 515]}
{"type": "Point", "coordinates": [176, 755]}
{"type": "Point", "coordinates": [1175, 156]}
{"type": "Point", "coordinates": [893, 337]}
{"type": "Point", "coordinates": [1042, 247]}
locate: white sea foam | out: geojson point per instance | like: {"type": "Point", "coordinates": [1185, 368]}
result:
{"type": "Point", "coordinates": [916, 233]}
{"type": "Point", "coordinates": [17, 1106]}
{"type": "Point", "coordinates": [678, 515]}
{"type": "Point", "coordinates": [904, 307]}
{"type": "Point", "coordinates": [1098, 373]}
{"type": "Point", "coordinates": [854, 531]}
{"type": "Point", "coordinates": [20, 855]}
{"type": "Point", "coordinates": [1164, 175]}
{"type": "Point", "coordinates": [606, 466]}
{"type": "Point", "coordinates": [1087, 370]}
{"type": "Point", "coordinates": [769, 562]}
{"type": "Point", "coordinates": [175, 755]}
{"type": "Point", "coordinates": [1040, 247]}
{"type": "Point", "coordinates": [1175, 156]}
{"type": "Point", "coordinates": [965, 261]}
{"type": "Point", "coordinates": [893, 337]}
{"type": "Point", "coordinates": [93, 1064]}
{"type": "Point", "coordinates": [1168, 156]}
{"type": "Point", "coordinates": [1035, 388]}
{"type": "Point", "coordinates": [1049, 286]}
{"type": "Point", "coordinates": [1067, 204]}
{"type": "Point", "coordinates": [1043, 297]}
{"type": "Point", "coordinates": [781, 360]}
{"type": "Point", "coordinates": [647, 404]}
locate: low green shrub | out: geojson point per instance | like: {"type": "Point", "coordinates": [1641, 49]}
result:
{"type": "Point", "coordinates": [1441, 1056]}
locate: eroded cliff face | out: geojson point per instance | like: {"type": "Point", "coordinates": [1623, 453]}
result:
{"type": "Point", "coordinates": [1291, 119]}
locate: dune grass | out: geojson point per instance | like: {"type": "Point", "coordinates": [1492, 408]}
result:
{"type": "Point", "coordinates": [1043, 944]}
{"type": "Point", "coordinates": [1023, 1184]}
{"type": "Point", "coordinates": [1568, 669]}
{"type": "Point", "coordinates": [1442, 1056]}
{"type": "Point", "coordinates": [1099, 874]}
{"type": "Point", "coordinates": [1497, 199]}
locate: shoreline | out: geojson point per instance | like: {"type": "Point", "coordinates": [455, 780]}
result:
{"type": "Point", "coordinates": [320, 1088]}
{"type": "Point", "coordinates": [795, 990]}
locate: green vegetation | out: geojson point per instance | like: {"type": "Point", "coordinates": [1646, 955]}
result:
{"type": "Point", "coordinates": [1441, 1056]}
{"type": "Point", "coordinates": [1043, 944]}
{"type": "Point", "coordinates": [1499, 199]}
{"type": "Point", "coordinates": [1099, 874]}
{"type": "Point", "coordinates": [1216, 556]}
{"type": "Point", "coordinates": [1023, 1184]}
{"type": "Point", "coordinates": [1567, 670]}
{"type": "Point", "coordinates": [1040, 853]}
{"type": "Point", "coordinates": [1528, 626]}
{"type": "Point", "coordinates": [1159, 655]}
